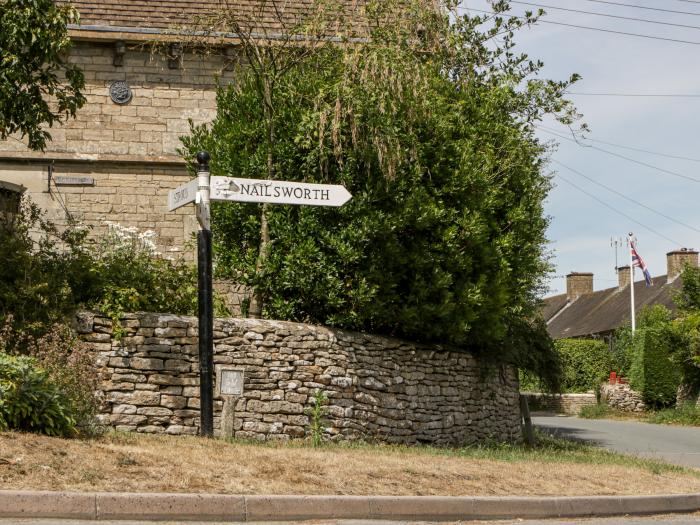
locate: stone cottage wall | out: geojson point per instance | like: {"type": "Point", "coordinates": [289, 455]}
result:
{"type": "Point", "coordinates": [378, 388]}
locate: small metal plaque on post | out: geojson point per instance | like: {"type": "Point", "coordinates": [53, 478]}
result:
{"type": "Point", "coordinates": [230, 381]}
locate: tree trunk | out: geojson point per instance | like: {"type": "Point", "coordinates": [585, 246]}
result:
{"type": "Point", "coordinates": [256, 303]}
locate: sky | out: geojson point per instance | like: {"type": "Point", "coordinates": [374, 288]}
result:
{"type": "Point", "coordinates": [666, 214]}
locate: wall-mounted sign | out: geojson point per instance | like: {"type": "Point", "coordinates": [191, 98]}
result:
{"type": "Point", "coordinates": [120, 92]}
{"type": "Point", "coordinates": [230, 381]}
{"type": "Point", "coordinates": [74, 181]}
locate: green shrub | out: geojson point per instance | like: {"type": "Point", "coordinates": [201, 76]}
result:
{"type": "Point", "coordinates": [71, 367]}
{"type": "Point", "coordinates": [586, 363]}
{"type": "Point", "coordinates": [653, 372]}
{"type": "Point", "coordinates": [30, 401]}
{"type": "Point", "coordinates": [657, 316]}
{"type": "Point", "coordinates": [130, 276]}
{"type": "Point", "coordinates": [44, 271]}
{"type": "Point", "coordinates": [49, 272]}
{"type": "Point", "coordinates": [581, 363]}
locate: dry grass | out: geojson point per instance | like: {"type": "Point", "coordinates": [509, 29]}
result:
{"type": "Point", "coordinates": [125, 462]}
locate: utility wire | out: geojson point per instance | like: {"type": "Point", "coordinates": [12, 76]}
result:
{"type": "Point", "coordinates": [595, 198]}
{"type": "Point", "coordinates": [612, 190]}
{"type": "Point", "coordinates": [643, 7]}
{"type": "Point", "coordinates": [606, 15]}
{"type": "Point", "coordinates": [662, 170]}
{"type": "Point", "coordinates": [588, 27]}
{"type": "Point", "coordinates": [641, 150]}
{"type": "Point", "coordinates": [668, 95]}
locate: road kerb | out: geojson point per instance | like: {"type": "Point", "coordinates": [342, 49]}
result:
{"type": "Point", "coordinates": [289, 508]}
{"type": "Point", "coordinates": [159, 506]}
{"type": "Point", "coordinates": [47, 504]}
{"type": "Point", "coordinates": [240, 508]}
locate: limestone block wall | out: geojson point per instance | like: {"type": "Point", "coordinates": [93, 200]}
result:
{"type": "Point", "coordinates": [378, 388]}
{"type": "Point", "coordinates": [233, 294]}
{"type": "Point", "coordinates": [129, 151]}
{"type": "Point", "coordinates": [149, 126]}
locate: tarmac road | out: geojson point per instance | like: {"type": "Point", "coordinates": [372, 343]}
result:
{"type": "Point", "coordinates": [674, 444]}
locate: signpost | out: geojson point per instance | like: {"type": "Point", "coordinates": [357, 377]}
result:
{"type": "Point", "coordinates": [182, 195]}
{"type": "Point", "coordinates": [278, 192]}
{"type": "Point", "coordinates": [202, 190]}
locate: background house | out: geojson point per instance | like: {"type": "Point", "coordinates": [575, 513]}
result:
{"type": "Point", "coordinates": [581, 312]}
{"type": "Point", "coordinates": [118, 159]}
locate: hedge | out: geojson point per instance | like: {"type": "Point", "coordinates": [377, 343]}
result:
{"type": "Point", "coordinates": [585, 362]}
{"type": "Point", "coordinates": [652, 372]}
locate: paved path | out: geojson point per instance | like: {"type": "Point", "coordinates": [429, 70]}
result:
{"type": "Point", "coordinates": [678, 445]}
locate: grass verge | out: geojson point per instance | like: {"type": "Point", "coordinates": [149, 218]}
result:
{"type": "Point", "coordinates": [686, 415]}
{"type": "Point", "coordinates": [141, 463]}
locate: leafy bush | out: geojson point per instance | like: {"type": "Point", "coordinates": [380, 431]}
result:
{"type": "Point", "coordinates": [68, 365]}
{"type": "Point", "coordinates": [71, 367]}
{"type": "Point", "coordinates": [49, 272]}
{"type": "Point", "coordinates": [653, 372]}
{"type": "Point", "coordinates": [44, 271]}
{"type": "Point", "coordinates": [30, 401]}
{"type": "Point", "coordinates": [444, 238]}
{"type": "Point", "coordinates": [657, 316]}
{"type": "Point", "coordinates": [131, 276]}
{"type": "Point", "coordinates": [584, 364]}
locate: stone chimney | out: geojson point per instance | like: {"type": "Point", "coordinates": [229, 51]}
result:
{"type": "Point", "coordinates": [578, 284]}
{"type": "Point", "coordinates": [676, 260]}
{"type": "Point", "coordinates": [623, 277]}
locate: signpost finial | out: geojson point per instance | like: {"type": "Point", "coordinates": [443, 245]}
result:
{"type": "Point", "coordinates": [203, 159]}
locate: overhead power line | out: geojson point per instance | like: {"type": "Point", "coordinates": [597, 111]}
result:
{"type": "Point", "coordinates": [606, 15]}
{"type": "Point", "coordinates": [641, 150]}
{"type": "Point", "coordinates": [639, 35]}
{"type": "Point", "coordinates": [667, 95]}
{"type": "Point", "coordinates": [620, 194]}
{"type": "Point", "coordinates": [595, 198]}
{"type": "Point", "coordinates": [608, 2]}
{"type": "Point", "coordinates": [635, 161]}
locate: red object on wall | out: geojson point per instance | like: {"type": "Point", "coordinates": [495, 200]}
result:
{"type": "Point", "coordinates": [613, 378]}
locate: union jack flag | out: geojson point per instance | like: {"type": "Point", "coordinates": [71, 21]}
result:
{"type": "Point", "coordinates": [639, 263]}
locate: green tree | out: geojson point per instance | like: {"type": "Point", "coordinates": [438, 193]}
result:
{"type": "Point", "coordinates": [38, 87]}
{"type": "Point", "coordinates": [428, 120]}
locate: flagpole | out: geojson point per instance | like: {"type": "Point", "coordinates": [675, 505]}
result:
{"type": "Point", "coordinates": [632, 318]}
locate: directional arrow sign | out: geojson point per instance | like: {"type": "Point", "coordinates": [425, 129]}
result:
{"type": "Point", "coordinates": [277, 192]}
{"type": "Point", "coordinates": [182, 195]}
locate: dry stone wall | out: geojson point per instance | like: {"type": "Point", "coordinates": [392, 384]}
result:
{"type": "Point", "coordinates": [378, 388]}
{"type": "Point", "coordinates": [622, 397]}
{"type": "Point", "coordinates": [560, 403]}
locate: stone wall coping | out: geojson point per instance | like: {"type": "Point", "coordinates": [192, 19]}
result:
{"type": "Point", "coordinates": [220, 322]}
{"type": "Point", "coordinates": [572, 395]}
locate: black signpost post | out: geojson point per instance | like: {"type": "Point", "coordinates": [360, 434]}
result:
{"type": "Point", "coordinates": [204, 299]}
